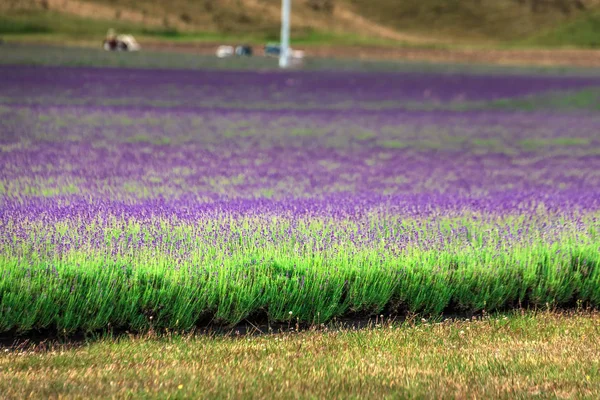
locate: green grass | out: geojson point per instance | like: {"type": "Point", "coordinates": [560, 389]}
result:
{"type": "Point", "coordinates": [533, 355]}
{"type": "Point", "coordinates": [492, 22]}
{"type": "Point", "coordinates": [53, 27]}
{"type": "Point", "coordinates": [48, 22]}
{"type": "Point", "coordinates": [302, 37]}
{"type": "Point", "coordinates": [583, 32]}
{"type": "Point", "coordinates": [584, 99]}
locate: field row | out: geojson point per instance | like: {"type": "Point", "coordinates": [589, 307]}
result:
{"type": "Point", "coordinates": [87, 273]}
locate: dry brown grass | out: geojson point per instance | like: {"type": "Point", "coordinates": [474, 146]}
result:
{"type": "Point", "coordinates": [546, 355]}
{"type": "Point", "coordinates": [222, 16]}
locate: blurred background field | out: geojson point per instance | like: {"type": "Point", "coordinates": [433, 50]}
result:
{"type": "Point", "coordinates": [435, 30]}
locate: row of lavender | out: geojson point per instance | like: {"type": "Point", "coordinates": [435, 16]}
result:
{"type": "Point", "coordinates": [127, 155]}
{"type": "Point", "coordinates": [133, 88]}
{"type": "Point", "coordinates": [100, 269]}
{"type": "Point", "coordinates": [165, 211]}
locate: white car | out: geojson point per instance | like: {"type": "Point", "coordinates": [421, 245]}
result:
{"type": "Point", "coordinates": [130, 42]}
{"type": "Point", "coordinates": [121, 43]}
{"type": "Point", "coordinates": [225, 51]}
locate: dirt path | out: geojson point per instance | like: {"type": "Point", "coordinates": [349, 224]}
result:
{"type": "Point", "coordinates": [524, 57]}
{"type": "Point", "coordinates": [538, 57]}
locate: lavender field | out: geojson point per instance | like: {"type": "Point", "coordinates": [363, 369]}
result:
{"type": "Point", "coordinates": [144, 199]}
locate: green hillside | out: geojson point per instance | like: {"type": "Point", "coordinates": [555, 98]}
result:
{"type": "Point", "coordinates": [547, 23]}
{"type": "Point", "coordinates": [502, 20]}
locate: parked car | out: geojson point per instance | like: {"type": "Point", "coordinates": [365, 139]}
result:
{"type": "Point", "coordinates": [243, 50]}
{"type": "Point", "coordinates": [225, 51]}
{"type": "Point", "coordinates": [272, 50]}
{"type": "Point", "coordinates": [297, 54]}
{"type": "Point", "coordinates": [114, 42]}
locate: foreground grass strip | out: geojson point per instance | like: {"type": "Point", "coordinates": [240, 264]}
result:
{"type": "Point", "coordinates": [534, 355]}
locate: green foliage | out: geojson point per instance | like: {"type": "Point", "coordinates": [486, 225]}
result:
{"type": "Point", "coordinates": [9, 25]}
{"type": "Point", "coordinates": [231, 280]}
{"type": "Point", "coordinates": [49, 22]}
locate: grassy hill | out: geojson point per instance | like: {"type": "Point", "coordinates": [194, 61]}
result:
{"type": "Point", "coordinates": [546, 23]}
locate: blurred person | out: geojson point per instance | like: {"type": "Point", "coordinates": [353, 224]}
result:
{"type": "Point", "coordinates": [110, 42]}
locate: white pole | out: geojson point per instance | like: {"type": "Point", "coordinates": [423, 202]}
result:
{"type": "Point", "coordinates": [284, 59]}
